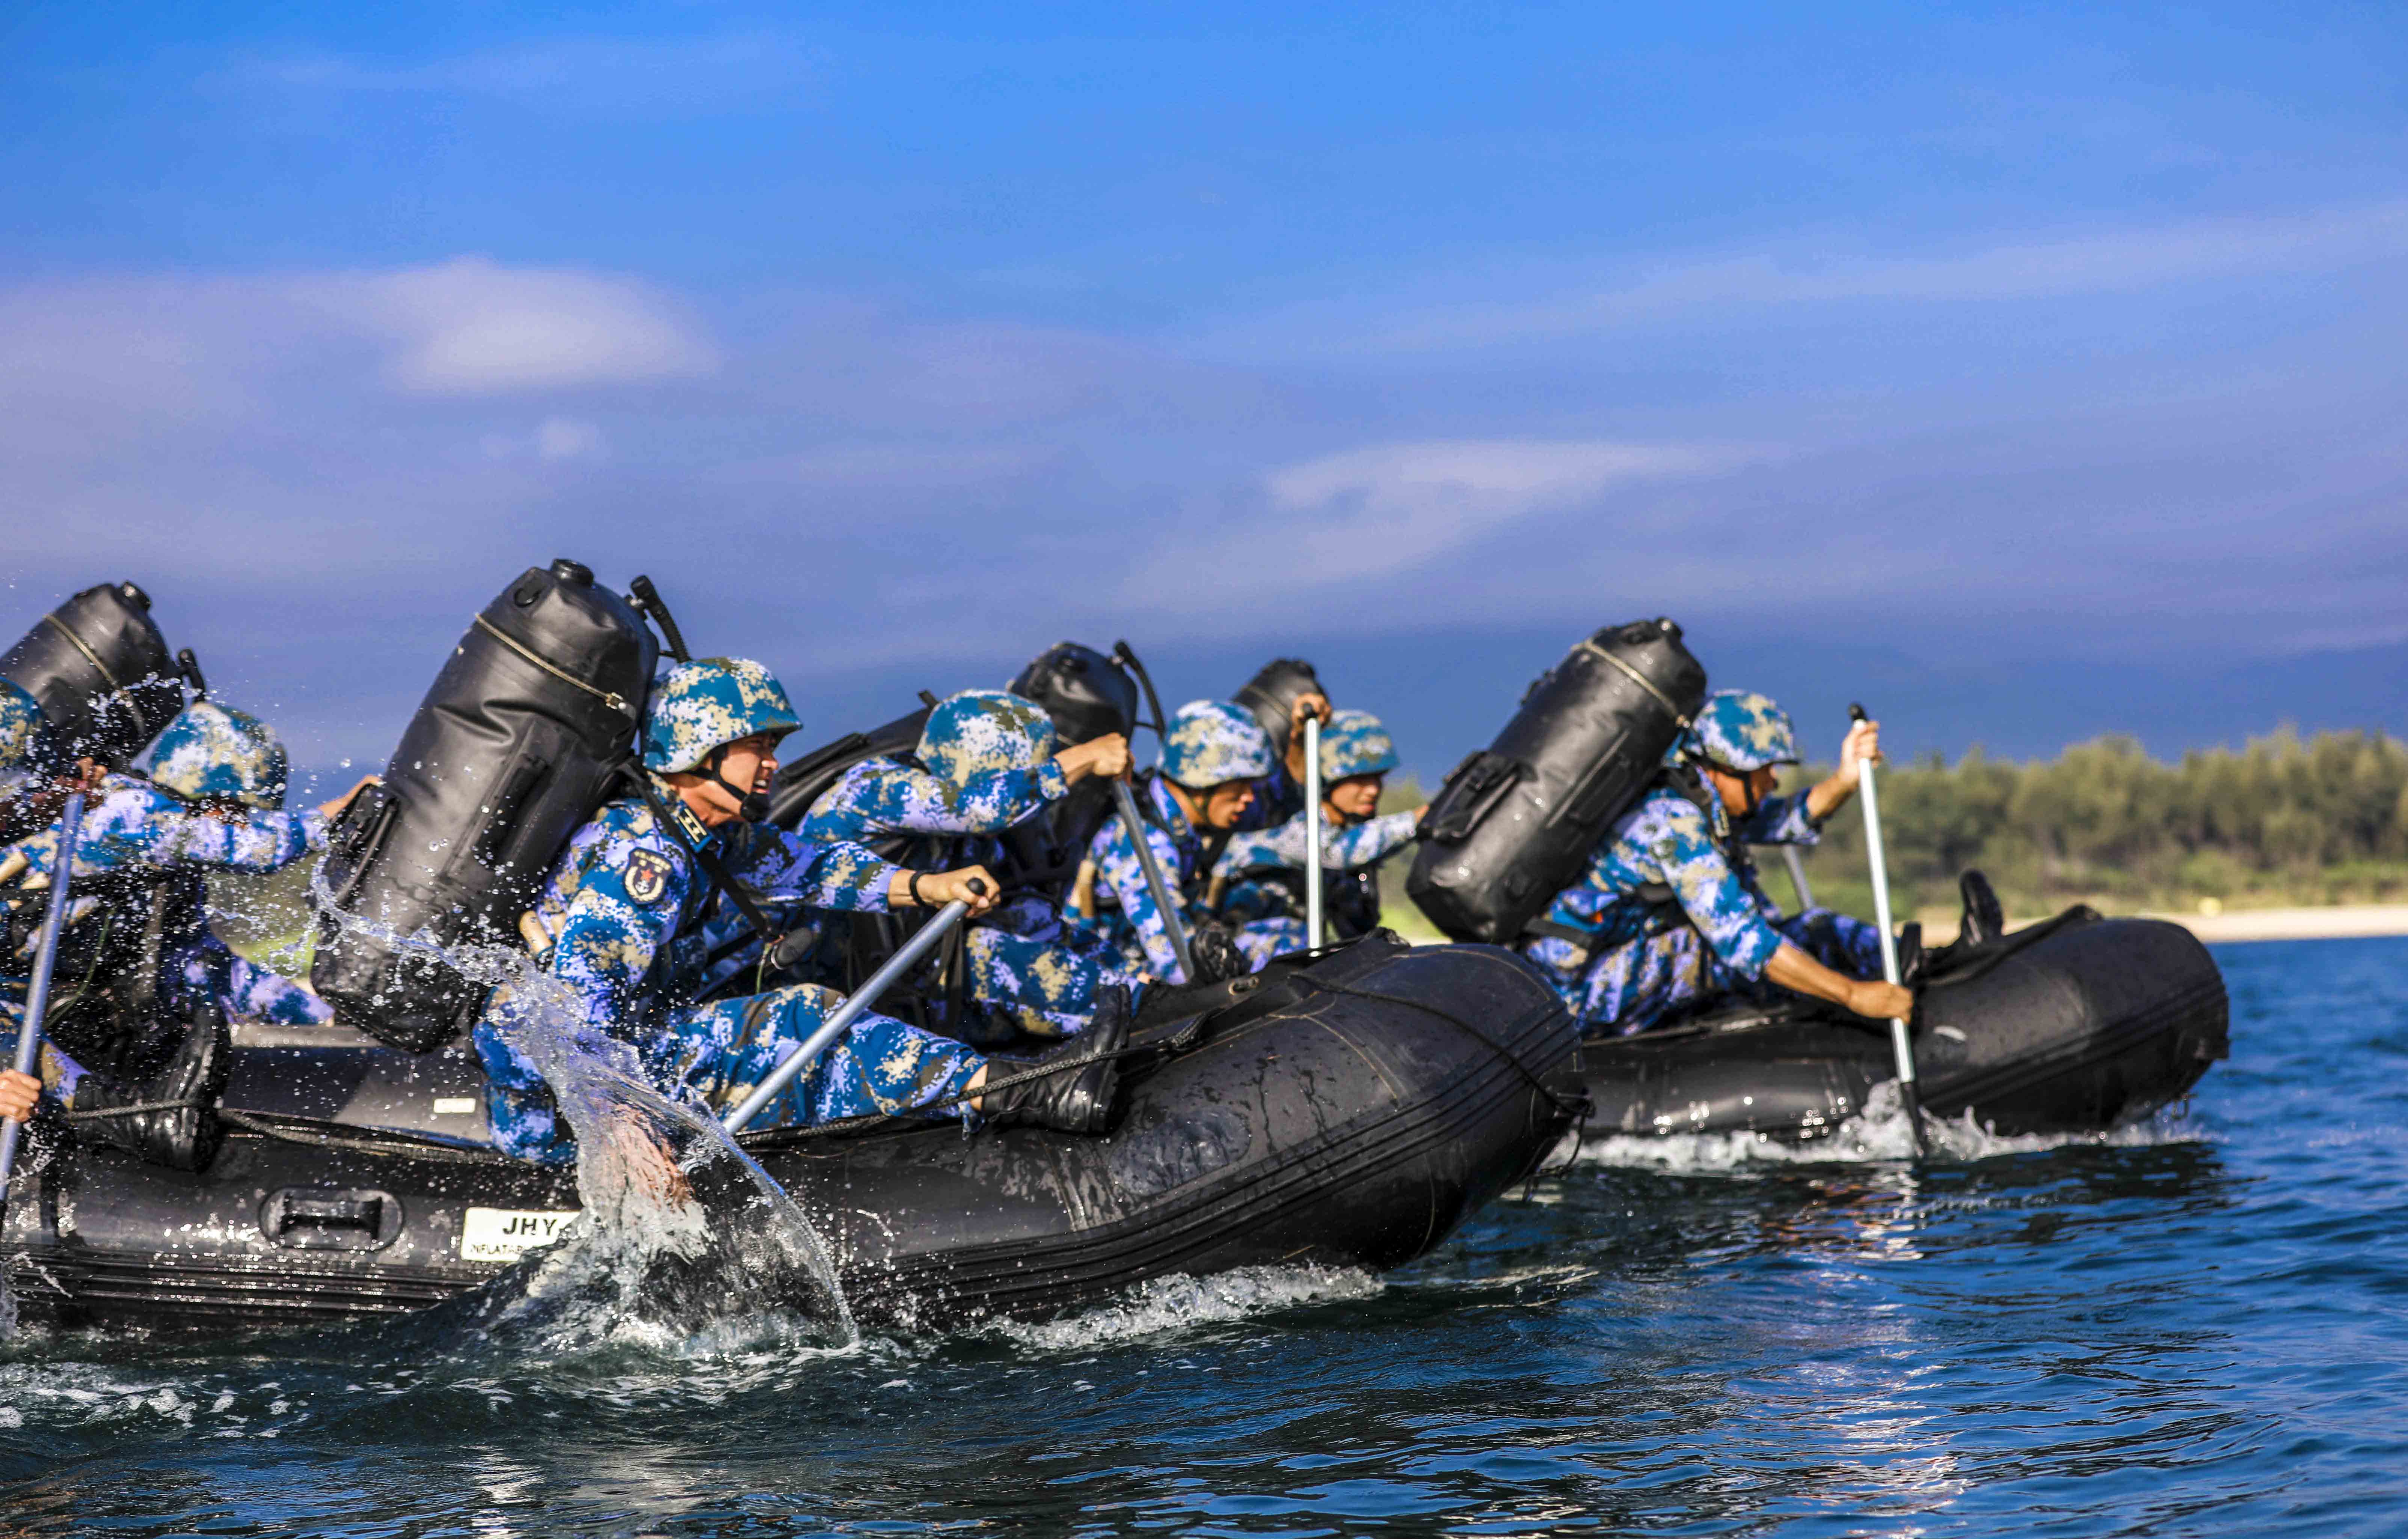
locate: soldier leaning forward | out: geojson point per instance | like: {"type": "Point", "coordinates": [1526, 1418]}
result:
{"type": "Point", "coordinates": [621, 923]}
{"type": "Point", "coordinates": [1259, 884]}
{"type": "Point", "coordinates": [987, 763]}
{"type": "Point", "coordinates": [1212, 758]}
{"type": "Point", "coordinates": [143, 989]}
{"type": "Point", "coordinates": [1669, 915]}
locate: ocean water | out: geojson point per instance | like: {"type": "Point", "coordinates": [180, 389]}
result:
{"type": "Point", "coordinates": [2195, 1327]}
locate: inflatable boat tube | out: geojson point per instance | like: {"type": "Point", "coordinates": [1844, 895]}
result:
{"type": "Point", "coordinates": [2077, 1024]}
{"type": "Point", "coordinates": [1349, 1108]}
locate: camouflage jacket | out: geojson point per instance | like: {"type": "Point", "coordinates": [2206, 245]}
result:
{"type": "Point", "coordinates": [625, 908]}
{"type": "Point", "coordinates": [1255, 870]}
{"type": "Point", "coordinates": [1669, 861]}
{"type": "Point", "coordinates": [1124, 912]}
{"type": "Point", "coordinates": [882, 798]}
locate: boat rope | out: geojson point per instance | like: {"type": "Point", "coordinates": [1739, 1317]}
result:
{"type": "Point", "coordinates": [98, 1112]}
{"type": "Point", "coordinates": [400, 1146]}
{"type": "Point", "coordinates": [858, 1124]}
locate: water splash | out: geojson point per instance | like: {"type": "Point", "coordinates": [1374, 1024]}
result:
{"type": "Point", "coordinates": [1180, 1301]}
{"type": "Point", "coordinates": [684, 1242]}
{"type": "Point", "coordinates": [1879, 1134]}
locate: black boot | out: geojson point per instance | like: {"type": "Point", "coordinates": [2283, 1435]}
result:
{"type": "Point", "coordinates": [1984, 920]}
{"type": "Point", "coordinates": [1076, 1100]}
{"type": "Point", "coordinates": [1217, 957]}
{"type": "Point", "coordinates": [182, 1134]}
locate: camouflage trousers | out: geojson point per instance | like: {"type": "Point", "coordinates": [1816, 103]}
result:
{"type": "Point", "coordinates": [1263, 939]}
{"type": "Point", "coordinates": [1046, 982]}
{"type": "Point", "coordinates": [1645, 983]}
{"type": "Point", "coordinates": [716, 1053]}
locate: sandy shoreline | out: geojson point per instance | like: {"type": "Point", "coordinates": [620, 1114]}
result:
{"type": "Point", "coordinates": [2331, 922]}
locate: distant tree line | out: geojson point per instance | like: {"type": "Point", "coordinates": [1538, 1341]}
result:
{"type": "Point", "coordinates": [2282, 820]}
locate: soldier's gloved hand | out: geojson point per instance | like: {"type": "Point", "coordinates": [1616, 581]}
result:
{"type": "Point", "coordinates": [1108, 756]}
{"type": "Point", "coordinates": [937, 889]}
{"type": "Point", "coordinates": [18, 1095]}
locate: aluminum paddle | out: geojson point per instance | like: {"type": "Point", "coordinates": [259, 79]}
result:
{"type": "Point", "coordinates": [37, 993]}
{"type": "Point", "coordinates": [1901, 1047]}
{"type": "Point", "coordinates": [1313, 935]}
{"type": "Point", "coordinates": [844, 1015]}
{"type": "Point", "coordinates": [1153, 879]}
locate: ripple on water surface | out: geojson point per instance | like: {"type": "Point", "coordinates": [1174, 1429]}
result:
{"type": "Point", "coordinates": [2194, 1327]}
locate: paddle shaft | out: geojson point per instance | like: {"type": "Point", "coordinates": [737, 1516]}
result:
{"type": "Point", "coordinates": [844, 1015]}
{"type": "Point", "coordinates": [1901, 1046]}
{"type": "Point", "coordinates": [37, 993]}
{"type": "Point", "coordinates": [1798, 877]}
{"type": "Point", "coordinates": [1312, 831]}
{"type": "Point", "coordinates": [1155, 883]}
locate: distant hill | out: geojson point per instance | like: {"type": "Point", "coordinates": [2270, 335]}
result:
{"type": "Point", "coordinates": [1445, 693]}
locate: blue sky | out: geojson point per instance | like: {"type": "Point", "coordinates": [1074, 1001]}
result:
{"type": "Point", "coordinates": [898, 342]}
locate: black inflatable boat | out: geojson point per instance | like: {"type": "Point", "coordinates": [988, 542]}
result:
{"type": "Point", "coordinates": [2076, 1024]}
{"type": "Point", "coordinates": [1347, 1108]}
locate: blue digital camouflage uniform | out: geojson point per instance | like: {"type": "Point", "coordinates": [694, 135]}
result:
{"type": "Point", "coordinates": [1268, 917]}
{"type": "Point", "coordinates": [1266, 907]}
{"type": "Point", "coordinates": [986, 765]}
{"type": "Point", "coordinates": [27, 754]}
{"type": "Point", "coordinates": [1708, 927]}
{"type": "Point", "coordinates": [129, 827]}
{"type": "Point", "coordinates": [1209, 742]}
{"type": "Point", "coordinates": [623, 912]}
{"type": "Point", "coordinates": [622, 918]}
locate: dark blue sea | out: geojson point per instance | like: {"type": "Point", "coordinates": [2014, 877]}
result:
{"type": "Point", "coordinates": [2195, 1327]}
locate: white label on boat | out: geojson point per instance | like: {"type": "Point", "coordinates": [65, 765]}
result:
{"type": "Point", "coordinates": [455, 1106]}
{"type": "Point", "coordinates": [506, 1234]}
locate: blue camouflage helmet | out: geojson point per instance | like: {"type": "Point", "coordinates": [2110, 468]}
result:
{"type": "Point", "coordinates": [28, 752]}
{"type": "Point", "coordinates": [1740, 730]}
{"type": "Point", "coordinates": [711, 701]}
{"type": "Point", "coordinates": [212, 751]}
{"type": "Point", "coordinates": [1212, 741]}
{"type": "Point", "coordinates": [1356, 743]}
{"type": "Point", "coordinates": [981, 731]}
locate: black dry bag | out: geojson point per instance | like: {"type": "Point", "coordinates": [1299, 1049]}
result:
{"type": "Point", "coordinates": [1086, 694]}
{"type": "Point", "coordinates": [1513, 822]}
{"type": "Point", "coordinates": [516, 744]}
{"type": "Point", "coordinates": [101, 672]}
{"type": "Point", "coordinates": [1272, 693]}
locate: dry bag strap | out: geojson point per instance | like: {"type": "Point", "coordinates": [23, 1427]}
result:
{"type": "Point", "coordinates": [606, 696]}
{"type": "Point", "coordinates": [1636, 677]}
{"type": "Point", "coordinates": [89, 655]}
{"type": "Point", "coordinates": [712, 872]}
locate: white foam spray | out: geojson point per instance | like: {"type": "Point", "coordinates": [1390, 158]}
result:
{"type": "Point", "coordinates": [1879, 1134]}
{"type": "Point", "coordinates": [652, 1261]}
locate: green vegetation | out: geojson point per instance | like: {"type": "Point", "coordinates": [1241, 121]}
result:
{"type": "Point", "coordinates": [2282, 821]}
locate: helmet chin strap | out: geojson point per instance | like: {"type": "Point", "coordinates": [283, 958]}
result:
{"type": "Point", "coordinates": [753, 806]}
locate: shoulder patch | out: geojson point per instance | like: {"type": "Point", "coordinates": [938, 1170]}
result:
{"type": "Point", "coordinates": [647, 876]}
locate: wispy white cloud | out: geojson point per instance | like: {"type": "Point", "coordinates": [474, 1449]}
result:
{"type": "Point", "coordinates": [1364, 516]}
{"type": "Point", "coordinates": [96, 357]}
{"type": "Point", "coordinates": [2103, 263]}
{"type": "Point", "coordinates": [473, 327]}
{"type": "Point", "coordinates": [627, 71]}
